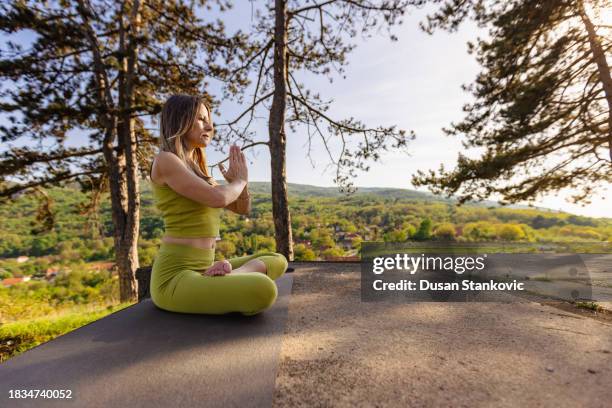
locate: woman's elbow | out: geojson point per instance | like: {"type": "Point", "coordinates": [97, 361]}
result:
{"type": "Point", "coordinates": [243, 210]}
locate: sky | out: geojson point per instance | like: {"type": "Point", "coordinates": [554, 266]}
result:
{"type": "Point", "coordinates": [414, 83]}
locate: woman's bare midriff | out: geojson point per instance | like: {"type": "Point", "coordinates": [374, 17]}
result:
{"type": "Point", "coordinates": [203, 243]}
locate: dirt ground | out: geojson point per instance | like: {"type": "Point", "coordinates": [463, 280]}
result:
{"type": "Point", "coordinates": [339, 351]}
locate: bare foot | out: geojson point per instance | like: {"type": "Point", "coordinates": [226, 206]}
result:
{"type": "Point", "coordinates": [219, 268]}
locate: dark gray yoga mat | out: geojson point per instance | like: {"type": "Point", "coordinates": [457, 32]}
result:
{"type": "Point", "coordinates": [143, 356]}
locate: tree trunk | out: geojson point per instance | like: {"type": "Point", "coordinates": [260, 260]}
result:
{"type": "Point", "coordinates": [127, 235]}
{"type": "Point", "coordinates": [127, 259]}
{"type": "Point", "coordinates": [602, 68]}
{"type": "Point", "coordinates": [128, 217]}
{"type": "Point", "coordinates": [126, 256]}
{"type": "Point", "coordinates": [278, 138]}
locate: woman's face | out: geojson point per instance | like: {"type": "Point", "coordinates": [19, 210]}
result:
{"type": "Point", "coordinates": [202, 131]}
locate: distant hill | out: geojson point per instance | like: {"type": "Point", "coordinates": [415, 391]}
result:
{"type": "Point", "coordinates": [401, 194]}
{"type": "Point", "coordinates": [308, 190]}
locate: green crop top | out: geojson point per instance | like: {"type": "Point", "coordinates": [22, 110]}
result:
{"type": "Point", "coordinates": [183, 217]}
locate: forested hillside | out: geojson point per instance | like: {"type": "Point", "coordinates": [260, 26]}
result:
{"type": "Point", "coordinates": [325, 223]}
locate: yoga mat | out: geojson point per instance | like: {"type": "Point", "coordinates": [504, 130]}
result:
{"type": "Point", "coordinates": [143, 356]}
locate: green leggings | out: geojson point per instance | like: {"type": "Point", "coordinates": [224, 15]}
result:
{"type": "Point", "coordinates": [177, 284]}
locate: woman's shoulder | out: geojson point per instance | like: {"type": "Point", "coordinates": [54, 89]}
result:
{"type": "Point", "coordinates": [160, 161]}
{"type": "Point", "coordinates": [163, 162]}
{"type": "Point", "coordinates": [165, 157]}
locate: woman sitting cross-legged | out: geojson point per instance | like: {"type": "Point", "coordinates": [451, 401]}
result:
{"type": "Point", "coordinates": [184, 277]}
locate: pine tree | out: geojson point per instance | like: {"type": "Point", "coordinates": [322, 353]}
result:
{"type": "Point", "coordinates": [102, 67]}
{"type": "Point", "coordinates": [310, 36]}
{"type": "Point", "coordinates": [543, 101]}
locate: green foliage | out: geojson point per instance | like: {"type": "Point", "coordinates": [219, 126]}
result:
{"type": "Point", "coordinates": [510, 232]}
{"type": "Point", "coordinates": [396, 236]}
{"type": "Point", "coordinates": [51, 85]}
{"type": "Point", "coordinates": [11, 245]}
{"type": "Point", "coordinates": [445, 231]}
{"type": "Point", "coordinates": [147, 251]}
{"type": "Point", "coordinates": [322, 238]}
{"type": "Point", "coordinates": [266, 243]}
{"type": "Point", "coordinates": [254, 243]}
{"type": "Point", "coordinates": [333, 252]}
{"type": "Point", "coordinates": [582, 221]}
{"type": "Point", "coordinates": [225, 249]}
{"type": "Point", "coordinates": [151, 227]}
{"type": "Point", "coordinates": [583, 233]}
{"type": "Point", "coordinates": [410, 230]}
{"type": "Point", "coordinates": [21, 336]}
{"type": "Point", "coordinates": [392, 217]}
{"type": "Point", "coordinates": [590, 306]}
{"type": "Point", "coordinates": [72, 288]}
{"type": "Point", "coordinates": [479, 231]}
{"type": "Point", "coordinates": [540, 221]}
{"type": "Point", "coordinates": [424, 231]}
{"type": "Point", "coordinates": [303, 253]}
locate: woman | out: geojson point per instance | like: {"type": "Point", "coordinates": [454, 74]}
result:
{"type": "Point", "coordinates": [184, 277]}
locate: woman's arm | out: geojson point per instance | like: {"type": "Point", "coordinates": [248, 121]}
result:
{"type": "Point", "coordinates": [185, 182]}
{"type": "Point", "coordinates": [242, 205]}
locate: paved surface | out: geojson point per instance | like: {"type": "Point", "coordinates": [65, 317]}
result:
{"type": "Point", "coordinates": [143, 356]}
{"type": "Point", "coordinates": [340, 352]}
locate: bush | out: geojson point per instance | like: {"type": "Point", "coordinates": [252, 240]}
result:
{"type": "Point", "coordinates": [445, 231]}
{"type": "Point", "coordinates": [225, 249]}
{"type": "Point", "coordinates": [410, 230]}
{"type": "Point", "coordinates": [395, 236]}
{"type": "Point", "coordinates": [146, 255]}
{"type": "Point", "coordinates": [266, 244]}
{"type": "Point", "coordinates": [424, 231]}
{"type": "Point", "coordinates": [94, 279]}
{"type": "Point", "coordinates": [303, 253]}
{"type": "Point", "coordinates": [586, 233]}
{"type": "Point", "coordinates": [11, 245]}
{"type": "Point", "coordinates": [511, 232]}
{"type": "Point", "coordinates": [356, 242]}
{"type": "Point", "coordinates": [43, 245]}
{"type": "Point", "coordinates": [479, 231]}
{"type": "Point", "coordinates": [100, 250]}
{"type": "Point", "coordinates": [332, 252]}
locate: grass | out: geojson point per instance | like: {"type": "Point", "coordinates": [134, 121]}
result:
{"type": "Point", "coordinates": [540, 278]}
{"type": "Point", "coordinates": [590, 306]}
{"type": "Point", "coordinates": [17, 337]}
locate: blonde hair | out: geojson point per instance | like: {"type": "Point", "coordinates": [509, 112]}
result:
{"type": "Point", "coordinates": [177, 118]}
